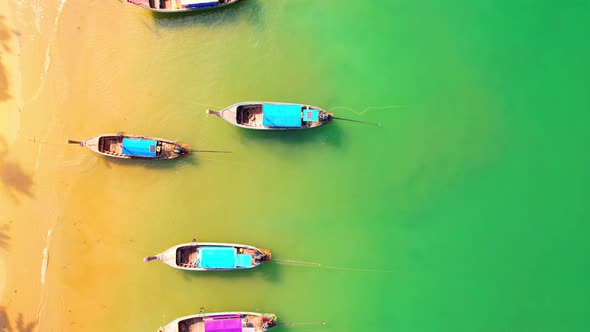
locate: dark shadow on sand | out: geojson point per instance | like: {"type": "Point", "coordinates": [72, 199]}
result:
{"type": "Point", "coordinates": [14, 179]}
{"type": "Point", "coordinates": [5, 35]}
{"type": "Point", "coordinates": [21, 326]}
{"type": "Point", "coordinates": [243, 10]}
{"type": "Point", "coordinates": [269, 271]}
{"type": "Point", "coordinates": [4, 237]}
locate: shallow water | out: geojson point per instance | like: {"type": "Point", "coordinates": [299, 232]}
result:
{"type": "Point", "coordinates": [471, 198]}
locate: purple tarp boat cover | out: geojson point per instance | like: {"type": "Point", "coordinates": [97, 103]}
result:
{"type": "Point", "coordinates": [224, 325]}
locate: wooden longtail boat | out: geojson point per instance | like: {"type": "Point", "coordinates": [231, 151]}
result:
{"type": "Point", "coordinates": [211, 256]}
{"type": "Point", "coordinates": [274, 116]}
{"type": "Point", "coordinates": [174, 6]}
{"type": "Point", "coordinates": [222, 322]}
{"type": "Point", "coordinates": [134, 147]}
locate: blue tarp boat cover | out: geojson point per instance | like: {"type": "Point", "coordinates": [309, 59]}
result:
{"type": "Point", "coordinates": [217, 257]}
{"type": "Point", "coordinates": [139, 147]}
{"type": "Point", "coordinates": [278, 115]}
{"type": "Point", "coordinates": [310, 115]}
{"type": "Point", "coordinates": [199, 3]}
{"type": "Point", "coordinates": [244, 260]}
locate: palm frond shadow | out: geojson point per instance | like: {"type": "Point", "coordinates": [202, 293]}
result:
{"type": "Point", "coordinates": [4, 237]}
{"type": "Point", "coordinates": [14, 178]}
{"type": "Point", "coordinates": [20, 324]}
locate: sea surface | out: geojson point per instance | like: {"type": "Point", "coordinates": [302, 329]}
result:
{"type": "Point", "coordinates": [468, 209]}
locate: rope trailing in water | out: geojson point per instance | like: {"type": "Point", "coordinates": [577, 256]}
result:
{"type": "Point", "coordinates": [366, 109]}
{"type": "Point", "coordinates": [363, 122]}
{"type": "Point", "coordinates": [306, 323]}
{"type": "Point", "coordinates": [295, 262]}
{"type": "Point", "coordinates": [212, 151]}
{"type": "Point", "coordinates": [314, 264]}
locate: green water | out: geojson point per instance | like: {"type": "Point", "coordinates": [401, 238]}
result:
{"type": "Point", "coordinates": [473, 192]}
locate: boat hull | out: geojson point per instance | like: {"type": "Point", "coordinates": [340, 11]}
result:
{"type": "Point", "coordinates": [167, 149]}
{"type": "Point", "coordinates": [235, 114]}
{"type": "Point", "coordinates": [145, 4]}
{"type": "Point", "coordinates": [256, 322]}
{"type": "Point", "coordinates": [187, 255]}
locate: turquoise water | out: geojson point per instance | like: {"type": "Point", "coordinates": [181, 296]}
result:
{"type": "Point", "coordinates": [471, 198]}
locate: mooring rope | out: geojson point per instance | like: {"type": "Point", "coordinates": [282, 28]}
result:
{"type": "Point", "coordinates": [319, 265]}
{"type": "Point", "coordinates": [366, 109]}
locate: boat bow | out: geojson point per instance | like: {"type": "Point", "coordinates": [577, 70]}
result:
{"type": "Point", "coordinates": [214, 113]}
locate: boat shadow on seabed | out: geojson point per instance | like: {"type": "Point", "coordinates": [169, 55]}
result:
{"type": "Point", "coordinates": [243, 10]}
{"type": "Point", "coordinates": [269, 272]}
{"type": "Point", "coordinates": [178, 163]}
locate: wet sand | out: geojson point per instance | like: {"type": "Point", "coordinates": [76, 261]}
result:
{"type": "Point", "coordinates": [31, 185]}
{"type": "Point", "coordinates": [9, 52]}
{"type": "Point", "coordinates": [19, 268]}
{"type": "Point", "coordinates": [20, 253]}
{"type": "Point", "coordinates": [58, 262]}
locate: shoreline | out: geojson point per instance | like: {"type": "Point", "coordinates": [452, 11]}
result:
{"type": "Point", "coordinates": [44, 274]}
{"type": "Point", "coordinates": [25, 202]}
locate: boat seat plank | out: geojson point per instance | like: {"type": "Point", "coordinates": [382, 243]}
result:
{"type": "Point", "coordinates": [199, 327]}
{"type": "Point", "coordinates": [192, 257]}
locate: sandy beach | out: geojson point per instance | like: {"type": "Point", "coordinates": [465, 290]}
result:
{"type": "Point", "coordinates": [19, 285]}
{"type": "Point", "coordinates": [9, 75]}
{"type": "Point", "coordinates": [27, 199]}
{"type": "Point", "coordinates": [49, 274]}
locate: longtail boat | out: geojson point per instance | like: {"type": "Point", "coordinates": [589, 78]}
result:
{"type": "Point", "coordinates": [212, 256]}
{"type": "Point", "coordinates": [134, 147]}
{"type": "Point", "coordinates": [274, 116]}
{"type": "Point", "coordinates": [174, 6]}
{"type": "Point", "coordinates": [222, 322]}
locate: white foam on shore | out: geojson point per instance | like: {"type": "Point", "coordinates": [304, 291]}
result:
{"type": "Point", "coordinates": [38, 9]}
{"type": "Point", "coordinates": [50, 43]}
{"type": "Point", "coordinates": [44, 265]}
{"type": "Point", "coordinates": [45, 260]}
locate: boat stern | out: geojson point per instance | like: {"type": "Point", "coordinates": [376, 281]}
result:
{"type": "Point", "coordinates": [183, 150]}
{"type": "Point", "coordinates": [269, 321]}
{"type": "Point", "coordinates": [328, 117]}
{"type": "Point", "coordinates": [266, 256]}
